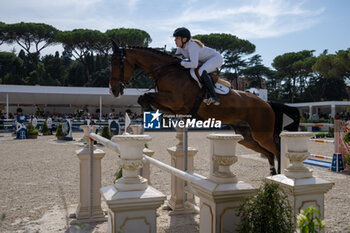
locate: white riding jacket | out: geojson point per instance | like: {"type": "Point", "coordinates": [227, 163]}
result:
{"type": "Point", "coordinates": [210, 58]}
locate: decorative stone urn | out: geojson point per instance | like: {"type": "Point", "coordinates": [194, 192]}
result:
{"type": "Point", "coordinates": [130, 160]}
{"type": "Point", "coordinates": [223, 156]}
{"type": "Point", "coordinates": [132, 204]}
{"type": "Point", "coordinates": [297, 152]}
{"type": "Point", "coordinates": [136, 129]}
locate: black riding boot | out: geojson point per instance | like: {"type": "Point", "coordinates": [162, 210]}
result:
{"type": "Point", "coordinates": [209, 84]}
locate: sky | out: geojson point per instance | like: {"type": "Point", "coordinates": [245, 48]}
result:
{"type": "Point", "coordinates": [275, 27]}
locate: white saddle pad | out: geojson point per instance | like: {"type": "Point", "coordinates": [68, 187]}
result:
{"type": "Point", "coordinates": [219, 88]}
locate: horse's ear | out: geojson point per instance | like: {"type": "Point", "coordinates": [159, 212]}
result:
{"type": "Point", "coordinates": [115, 47]}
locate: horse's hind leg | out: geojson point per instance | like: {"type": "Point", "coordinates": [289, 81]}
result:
{"type": "Point", "coordinates": [250, 143]}
{"type": "Point", "coordinates": [266, 140]}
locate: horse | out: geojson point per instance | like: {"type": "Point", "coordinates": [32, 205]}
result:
{"type": "Point", "coordinates": [177, 92]}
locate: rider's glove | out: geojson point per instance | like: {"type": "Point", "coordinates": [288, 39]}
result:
{"type": "Point", "coordinates": [177, 61]}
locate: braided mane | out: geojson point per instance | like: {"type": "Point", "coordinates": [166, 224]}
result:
{"type": "Point", "coordinates": [152, 50]}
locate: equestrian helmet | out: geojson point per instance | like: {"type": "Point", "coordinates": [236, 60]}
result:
{"type": "Point", "coordinates": [182, 32]}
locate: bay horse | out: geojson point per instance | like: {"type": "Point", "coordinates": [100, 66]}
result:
{"type": "Point", "coordinates": [177, 91]}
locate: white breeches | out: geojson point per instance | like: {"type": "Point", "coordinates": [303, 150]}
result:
{"type": "Point", "coordinates": [211, 65]}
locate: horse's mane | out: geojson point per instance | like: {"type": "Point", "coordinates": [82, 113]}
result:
{"type": "Point", "coordinates": [152, 50]}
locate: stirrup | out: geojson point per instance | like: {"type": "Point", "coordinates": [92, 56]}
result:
{"type": "Point", "coordinates": [212, 100]}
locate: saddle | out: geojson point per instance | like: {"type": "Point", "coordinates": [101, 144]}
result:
{"type": "Point", "coordinates": [220, 86]}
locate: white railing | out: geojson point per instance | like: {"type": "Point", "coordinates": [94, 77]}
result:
{"type": "Point", "coordinates": [105, 142]}
{"type": "Point", "coordinates": [189, 177]}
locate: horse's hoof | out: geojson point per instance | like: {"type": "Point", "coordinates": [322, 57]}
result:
{"type": "Point", "coordinates": [273, 172]}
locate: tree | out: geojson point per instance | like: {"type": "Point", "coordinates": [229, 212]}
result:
{"type": "Point", "coordinates": [231, 47]}
{"type": "Point", "coordinates": [29, 35]}
{"type": "Point", "coordinates": [76, 75]}
{"type": "Point", "coordinates": [55, 69]}
{"type": "Point", "coordinates": [129, 37]}
{"type": "Point", "coordinates": [223, 43]}
{"type": "Point", "coordinates": [3, 33]}
{"type": "Point", "coordinates": [82, 43]}
{"type": "Point", "coordinates": [290, 66]}
{"type": "Point", "coordinates": [344, 62]}
{"type": "Point", "coordinates": [334, 65]}
{"type": "Point", "coordinates": [11, 69]}
{"type": "Point", "coordinates": [255, 71]}
{"type": "Point", "coordinates": [330, 82]}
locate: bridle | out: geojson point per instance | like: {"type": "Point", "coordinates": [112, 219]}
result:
{"type": "Point", "coordinates": [121, 53]}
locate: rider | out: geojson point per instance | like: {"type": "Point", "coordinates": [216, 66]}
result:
{"type": "Point", "coordinates": [197, 52]}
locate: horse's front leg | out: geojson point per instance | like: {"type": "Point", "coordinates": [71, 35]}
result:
{"type": "Point", "coordinates": [161, 100]}
{"type": "Point", "coordinates": [145, 101]}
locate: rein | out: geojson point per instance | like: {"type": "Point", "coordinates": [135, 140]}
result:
{"type": "Point", "coordinates": [158, 68]}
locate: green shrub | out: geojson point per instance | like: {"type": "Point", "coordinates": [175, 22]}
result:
{"type": "Point", "coordinates": [34, 132]}
{"type": "Point", "coordinates": [331, 132]}
{"type": "Point", "coordinates": [105, 132]}
{"type": "Point", "coordinates": [45, 129]}
{"type": "Point", "coordinates": [30, 127]}
{"type": "Point", "coordinates": [309, 222]}
{"type": "Point", "coordinates": [59, 131]}
{"type": "Point", "coordinates": [321, 135]}
{"type": "Point", "coordinates": [268, 211]}
{"type": "Point", "coordinates": [31, 130]}
{"type": "Point", "coordinates": [347, 157]}
{"type": "Point", "coordinates": [347, 137]}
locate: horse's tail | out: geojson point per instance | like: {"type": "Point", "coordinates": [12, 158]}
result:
{"type": "Point", "coordinates": [286, 118]}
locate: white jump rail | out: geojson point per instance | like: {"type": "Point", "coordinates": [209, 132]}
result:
{"type": "Point", "coordinates": [321, 156]}
{"type": "Point", "coordinates": [176, 172]}
{"type": "Point", "coordinates": [318, 124]}
{"type": "Point", "coordinates": [322, 140]}
{"type": "Point", "coordinates": [105, 142]}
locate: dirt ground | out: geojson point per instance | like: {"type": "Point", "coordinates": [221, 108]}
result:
{"type": "Point", "coordinates": [39, 185]}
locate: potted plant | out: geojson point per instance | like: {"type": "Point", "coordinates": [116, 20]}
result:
{"type": "Point", "coordinates": [105, 132]}
{"type": "Point", "coordinates": [59, 132]}
{"type": "Point", "coordinates": [45, 129]}
{"type": "Point", "coordinates": [32, 133]}
{"type": "Point", "coordinates": [347, 158]}
{"type": "Point", "coordinates": [267, 211]}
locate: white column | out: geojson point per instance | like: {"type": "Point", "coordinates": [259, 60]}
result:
{"type": "Point", "coordinates": [310, 111]}
{"type": "Point", "coordinates": [100, 108]}
{"type": "Point", "coordinates": [333, 110]}
{"type": "Point", "coordinates": [131, 202]}
{"type": "Point", "coordinates": [82, 212]}
{"type": "Point", "coordinates": [301, 187]}
{"type": "Point", "coordinates": [221, 194]}
{"type": "Point", "coordinates": [177, 199]}
{"type": "Point", "coordinates": [7, 106]}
